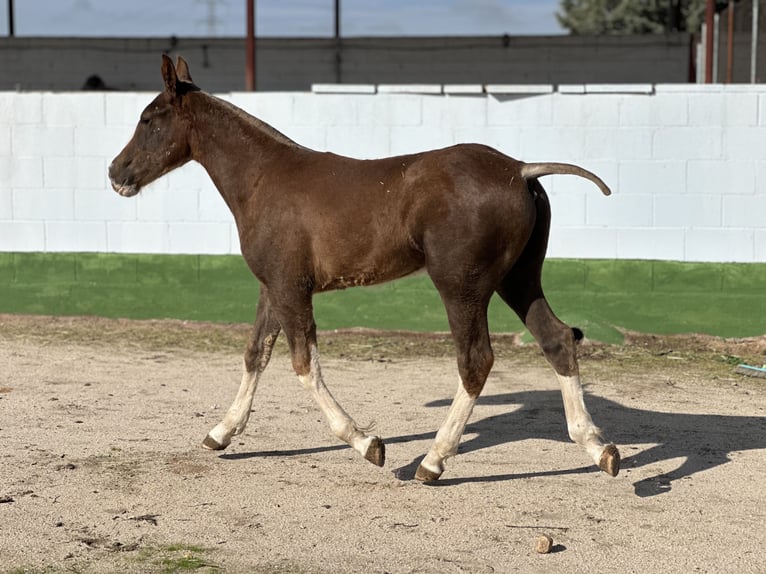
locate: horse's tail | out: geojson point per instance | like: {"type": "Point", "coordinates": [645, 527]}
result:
{"type": "Point", "coordinates": [535, 170]}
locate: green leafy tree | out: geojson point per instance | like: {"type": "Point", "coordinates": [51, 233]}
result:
{"type": "Point", "coordinates": [630, 16]}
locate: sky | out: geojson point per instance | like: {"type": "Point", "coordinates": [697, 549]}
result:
{"type": "Point", "coordinates": [307, 18]}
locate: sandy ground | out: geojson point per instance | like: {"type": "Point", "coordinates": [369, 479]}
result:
{"type": "Point", "coordinates": [101, 468]}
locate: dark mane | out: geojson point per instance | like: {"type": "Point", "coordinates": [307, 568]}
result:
{"type": "Point", "coordinates": [251, 120]}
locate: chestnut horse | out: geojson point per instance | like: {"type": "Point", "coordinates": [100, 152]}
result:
{"type": "Point", "coordinates": [475, 219]}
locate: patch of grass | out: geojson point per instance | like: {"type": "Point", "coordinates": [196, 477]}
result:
{"type": "Point", "coordinates": [602, 297]}
{"type": "Point", "coordinates": [176, 558]}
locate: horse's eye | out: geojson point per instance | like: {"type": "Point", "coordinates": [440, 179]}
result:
{"type": "Point", "coordinates": [145, 120]}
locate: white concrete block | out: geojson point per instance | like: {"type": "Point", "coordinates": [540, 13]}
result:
{"type": "Point", "coordinates": [720, 245]}
{"type": "Point", "coordinates": [464, 89]}
{"type": "Point", "coordinates": [618, 144]}
{"type": "Point", "coordinates": [212, 207]}
{"type": "Point", "coordinates": [234, 245]}
{"type": "Point", "coordinates": [520, 110]}
{"type": "Point", "coordinates": [138, 237]}
{"type": "Point", "coordinates": [745, 211]}
{"type": "Point", "coordinates": [651, 243]}
{"type": "Point", "coordinates": [189, 177]}
{"type": "Point", "coordinates": [76, 173]}
{"type": "Point", "coordinates": [519, 89]}
{"type": "Point", "coordinates": [652, 176]}
{"type": "Point", "coordinates": [760, 246]}
{"type": "Point", "coordinates": [567, 209]}
{"type": "Point", "coordinates": [454, 111]}
{"type": "Point", "coordinates": [7, 105]}
{"type": "Point", "coordinates": [723, 109]}
{"type": "Point", "coordinates": [22, 236]}
{"type": "Point", "coordinates": [721, 177]}
{"type": "Point", "coordinates": [745, 143]}
{"type": "Point", "coordinates": [84, 109]}
{"type": "Point", "coordinates": [169, 205]}
{"type": "Point", "coordinates": [593, 111]}
{"type": "Point", "coordinates": [406, 139]}
{"type": "Point", "coordinates": [685, 211]}
{"type": "Point", "coordinates": [343, 88]}
{"type": "Point", "coordinates": [583, 243]}
{"type": "Point", "coordinates": [669, 109]}
{"type": "Point", "coordinates": [621, 211]}
{"type": "Point", "coordinates": [207, 238]}
{"type": "Point", "coordinates": [21, 172]}
{"type": "Point", "coordinates": [619, 88]}
{"type": "Point", "coordinates": [410, 89]}
{"type": "Point", "coordinates": [6, 204]}
{"type": "Point", "coordinates": [100, 142]}
{"type": "Point", "coordinates": [551, 144]}
{"type": "Point", "coordinates": [328, 110]}
{"type": "Point", "coordinates": [390, 110]}
{"type": "Point", "coordinates": [274, 108]}
{"type": "Point", "coordinates": [75, 236]}
{"type": "Point", "coordinates": [43, 204]}
{"type": "Point", "coordinates": [59, 171]}
{"type": "Point", "coordinates": [91, 173]}
{"type": "Point", "coordinates": [687, 88]}
{"type": "Point", "coordinates": [360, 142]}
{"type": "Point", "coordinates": [5, 141]}
{"type": "Point", "coordinates": [27, 108]}
{"type": "Point", "coordinates": [659, 110]}
{"type": "Point", "coordinates": [38, 140]}
{"type": "Point", "coordinates": [572, 89]}
{"type": "Point", "coordinates": [123, 109]}
{"type": "Point", "coordinates": [681, 143]}
{"type": "Point", "coordinates": [504, 139]}
{"type": "Point", "coordinates": [103, 205]}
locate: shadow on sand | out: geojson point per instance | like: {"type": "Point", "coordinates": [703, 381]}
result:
{"type": "Point", "coordinates": [704, 441]}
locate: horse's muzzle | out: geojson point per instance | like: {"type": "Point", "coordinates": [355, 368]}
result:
{"type": "Point", "coordinates": [122, 185]}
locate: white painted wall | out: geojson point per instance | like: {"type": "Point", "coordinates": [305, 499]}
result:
{"type": "Point", "coordinates": [687, 164]}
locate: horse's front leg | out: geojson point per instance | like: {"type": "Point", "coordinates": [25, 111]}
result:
{"type": "Point", "coordinates": [265, 333]}
{"type": "Point", "coordinates": [300, 329]}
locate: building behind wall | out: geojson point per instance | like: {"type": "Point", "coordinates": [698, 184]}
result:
{"type": "Point", "coordinates": [294, 64]}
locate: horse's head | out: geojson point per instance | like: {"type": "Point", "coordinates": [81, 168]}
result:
{"type": "Point", "coordinates": [161, 140]}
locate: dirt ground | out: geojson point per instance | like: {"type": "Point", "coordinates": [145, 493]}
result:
{"type": "Point", "coordinates": [101, 468]}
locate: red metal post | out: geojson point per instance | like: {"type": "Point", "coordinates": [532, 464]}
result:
{"type": "Point", "coordinates": [709, 23]}
{"type": "Point", "coordinates": [250, 48]}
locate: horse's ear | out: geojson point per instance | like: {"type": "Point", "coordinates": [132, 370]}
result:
{"type": "Point", "coordinates": [182, 69]}
{"type": "Point", "coordinates": [169, 75]}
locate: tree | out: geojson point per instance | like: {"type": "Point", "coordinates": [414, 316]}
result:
{"type": "Point", "coordinates": [630, 16]}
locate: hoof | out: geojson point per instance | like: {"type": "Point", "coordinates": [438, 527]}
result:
{"type": "Point", "coordinates": [376, 452]}
{"type": "Point", "coordinates": [211, 444]}
{"type": "Point", "coordinates": [424, 474]}
{"type": "Point", "coordinates": [610, 460]}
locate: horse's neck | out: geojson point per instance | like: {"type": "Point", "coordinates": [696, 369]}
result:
{"type": "Point", "coordinates": [234, 147]}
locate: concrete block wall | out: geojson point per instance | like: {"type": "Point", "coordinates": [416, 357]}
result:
{"type": "Point", "coordinates": [687, 163]}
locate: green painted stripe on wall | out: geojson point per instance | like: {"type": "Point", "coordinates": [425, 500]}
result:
{"type": "Point", "coordinates": [599, 296]}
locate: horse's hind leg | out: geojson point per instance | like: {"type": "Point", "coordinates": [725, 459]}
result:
{"type": "Point", "coordinates": [525, 296]}
{"type": "Point", "coordinates": [468, 323]}
{"type": "Point", "coordinates": [265, 333]}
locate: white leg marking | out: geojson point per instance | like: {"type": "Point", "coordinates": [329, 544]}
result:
{"type": "Point", "coordinates": [341, 424]}
{"type": "Point", "coordinates": [448, 437]}
{"type": "Point", "coordinates": [581, 428]}
{"type": "Point", "coordinates": [236, 417]}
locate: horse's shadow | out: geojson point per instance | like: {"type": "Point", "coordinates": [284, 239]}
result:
{"type": "Point", "coordinates": [704, 441]}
